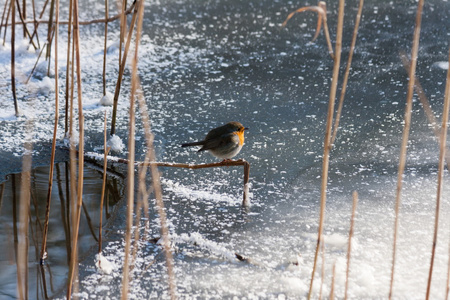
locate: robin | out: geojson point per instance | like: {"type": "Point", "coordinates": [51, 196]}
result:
{"type": "Point", "coordinates": [223, 142]}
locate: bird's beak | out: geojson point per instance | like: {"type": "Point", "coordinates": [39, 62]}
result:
{"type": "Point", "coordinates": [246, 128]}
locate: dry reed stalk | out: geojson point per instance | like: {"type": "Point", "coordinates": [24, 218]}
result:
{"type": "Point", "coordinates": [405, 137]}
{"type": "Point", "coordinates": [149, 138]}
{"type": "Point", "coordinates": [67, 95]}
{"type": "Point", "coordinates": [25, 188]}
{"type": "Point", "coordinates": [123, 27]}
{"type": "Point", "coordinates": [13, 56]}
{"type": "Point", "coordinates": [350, 235]}
{"type": "Point", "coordinates": [441, 166]}
{"type": "Point", "coordinates": [105, 165]}
{"type": "Point", "coordinates": [131, 152]}
{"type": "Point", "coordinates": [327, 140]}
{"type": "Point", "coordinates": [49, 32]}
{"type": "Point", "coordinates": [76, 38]}
{"type": "Point", "coordinates": [7, 18]}
{"type": "Point", "coordinates": [321, 10]}
{"type": "Point", "coordinates": [347, 71]}
{"type": "Point", "coordinates": [5, 8]}
{"type": "Point", "coordinates": [55, 129]}
{"type": "Point", "coordinates": [331, 297]}
{"type": "Point", "coordinates": [35, 23]}
{"type": "Point", "coordinates": [24, 24]}
{"type": "Point", "coordinates": [154, 171]}
{"type": "Point", "coordinates": [322, 273]}
{"type": "Point", "coordinates": [24, 15]}
{"type": "Point", "coordinates": [105, 48]}
{"type": "Point", "coordinates": [35, 64]}
{"type": "Point", "coordinates": [121, 70]}
{"type": "Point", "coordinates": [426, 106]}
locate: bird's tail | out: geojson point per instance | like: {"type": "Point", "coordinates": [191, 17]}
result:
{"type": "Point", "coordinates": [192, 144]}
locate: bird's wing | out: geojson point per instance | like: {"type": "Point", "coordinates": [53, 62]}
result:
{"type": "Point", "coordinates": [220, 141]}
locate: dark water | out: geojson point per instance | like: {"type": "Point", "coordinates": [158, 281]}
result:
{"type": "Point", "coordinates": [51, 279]}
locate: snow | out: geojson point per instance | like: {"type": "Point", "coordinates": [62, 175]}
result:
{"type": "Point", "coordinates": [104, 265]}
{"type": "Point", "coordinates": [116, 143]}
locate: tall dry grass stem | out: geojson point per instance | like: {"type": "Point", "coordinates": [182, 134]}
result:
{"type": "Point", "coordinates": [322, 272]}
{"type": "Point", "coordinates": [2, 23]}
{"type": "Point", "coordinates": [347, 71]}
{"type": "Point", "coordinates": [25, 188]}
{"type": "Point", "coordinates": [131, 150]}
{"type": "Point", "coordinates": [321, 10]}
{"type": "Point", "coordinates": [76, 226]}
{"type": "Point", "coordinates": [105, 47]}
{"type": "Point", "coordinates": [426, 106]}
{"type": "Point", "coordinates": [68, 70]}
{"type": "Point", "coordinates": [102, 199]}
{"type": "Point", "coordinates": [350, 235]}
{"type": "Point", "coordinates": [333, 276]}
{"type": "Point", "coordinates": [149, 138]}
{"type": "Point", "coordinates": [121, 70]}
{"type": "Point", "coordinates": [6, 22]}
{"type": "Point", "coordinates": [327, 140]}
{"type": "Point", "coordinates": [405, 137]}
{"type": "Point", "coordinates": [50, 32]}
{"type": "Point", "coordinates": [55, 129]}
{"type": "Point", "coordinates": [13, 56]}
{"type": "Point", "coordinates": [441, 166]}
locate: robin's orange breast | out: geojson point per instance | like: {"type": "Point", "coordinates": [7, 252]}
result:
{"type": "Point", "coordinates": [240, 134]}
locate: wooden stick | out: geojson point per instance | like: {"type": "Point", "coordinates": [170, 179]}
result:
{"type": "Point", "coordinates": [225, 163]}
{"type": "Point", "coordinates": [406, 127]}
{"type": "Point", "coordinates": [327, 140]}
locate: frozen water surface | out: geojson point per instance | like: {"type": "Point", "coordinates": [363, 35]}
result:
{"type": "Point", "coordinates": [205, 63]}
